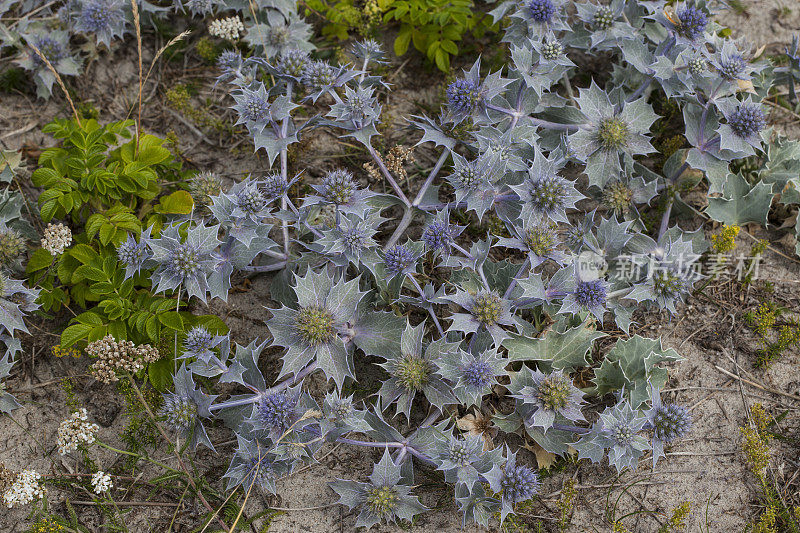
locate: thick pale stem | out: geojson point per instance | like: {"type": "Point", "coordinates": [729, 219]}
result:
{"type": "Point", "coordinates": [388, 176]}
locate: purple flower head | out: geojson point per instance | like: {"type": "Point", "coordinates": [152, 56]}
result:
{"type": "Point", "coordinates": [732, 66]}
{"type": "Point", "coordinates": [670, 422]}
{"type": "Point", "coordinates": [519, 483]}
{"type": "Point", "coordinates": [134, 254]}
{"type": "Point", "coordinates": [398, 259]}
{"type": "Point", "coordinates": [463, 96]}
{"type": "Point", "coordinates": [541, 11]}
{"type": "Point", "coordinates": [275, 411]}
{"type": "Point", "coordinates": [748, 120]}
{"type": "Point", "coordinates": [477, 374]}
{"type": "Point", "coordinates": [52, 49]}
{"type": "Point", "coordinates": [437, 235]}
{"type": "Point", "coordinates": [229, 60]}
{"type": "Point", "coordinates": [591, 294]}
{"type": "Point", "coordinates": [293, 62]}
{"type": "Point", "coordinates": [692, 22]}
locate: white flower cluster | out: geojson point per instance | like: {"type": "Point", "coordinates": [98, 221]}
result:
{"type": "Point", "coordinates": [123, 355]}
{"type": "Point", "coordinates": [74, 431]}
{"type": "Point", "coordinates": [24, 489]}
{"type": "Point", "coordinates": [228, 28]}
{"type": "Point", "coordinates": [56, 238]}
{"type": "Point", "coordinates": [101, 482]}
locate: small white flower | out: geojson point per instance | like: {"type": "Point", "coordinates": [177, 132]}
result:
{"type": "Point", "coordinates": [24, 489]}
{"type": "Point", "coordinates": [228, 28]}
{"type": "Point", "coordinates": [74, 431]}
{"type": "Point", "coordinates": [56, 238]}
{"type": "Point", "coordinates": [101, 482]}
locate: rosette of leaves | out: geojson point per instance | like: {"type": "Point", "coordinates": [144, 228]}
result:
{"type": "Point", "coordinates": [320, 329]}
{"type": "Point", "coordinates": [543, 399]}
{"type": "Point", "coordinates": [385, 498]}
{"type": "Point", "coordinates": [339, 417]}
{"type": "Point", "coordinates": [253, 466]}
{"type": "Point", "coordinates": [412, 370]}
{"type": "Point", "coordinates": [617, 431]}
{"type": "Point", "coordinates": [182, 409]}
{"type": "Point", "coordinates": [631, 366]}
{"type": "Point", "coordinates": [472, 373]}
{"type": "Point", "coordinates": [610, 133]}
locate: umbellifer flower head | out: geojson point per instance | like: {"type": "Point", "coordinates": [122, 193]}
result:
{"type": "Point", "coordinates": [56, 238]}
{"type": "Point", "coordinates": [315, 325]}
{"type": "Point", "coordinates": [101, 482]}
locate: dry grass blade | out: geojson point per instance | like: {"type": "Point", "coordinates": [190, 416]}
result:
{"type": "Point", "coordinates": [58, 80]}
{"type": "Point", "coordinates": [137, 24]}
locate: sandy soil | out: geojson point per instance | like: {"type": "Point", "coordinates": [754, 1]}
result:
{"type": "Point", "coordinates": [706, 469]}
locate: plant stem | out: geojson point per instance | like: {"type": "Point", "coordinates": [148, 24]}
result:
{"type": "Point", "coordinates": [309, 368]}
{"type": "Point", "coordinates": [264, 268]}
{"type": "Point", "coordinates": [388, 176]}
{"type": "Point", "coordinates": [174, 450]}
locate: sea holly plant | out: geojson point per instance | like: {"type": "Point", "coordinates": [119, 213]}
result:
{"type": "Point", "coordinates": [547, 221]}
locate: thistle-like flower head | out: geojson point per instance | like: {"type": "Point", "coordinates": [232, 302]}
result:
{"type": "Point", "coordinates": [487, 308]}
{"type": "Point", "coordinates": [546, 397]}
{"type": "Point", "coordinates": [591, 294]}
{"type": "Point", "coordinates": [613, 133]}
{"type": "Point", "coordinates": [399, 259]}
{"type": "Point", "coordinates": [182, 409]}
{"type": "Point", "coordinates": [748, 120]}
{"type": "Point", "coordinates": [463, 96]}
{"type": "Point", "coordinates": [385, 498]}
{"type": "Point", "coordinates": [12, 247]}
{"type": "Point", "coordinates": [338, 186]}
{"type": "Point", "coordinates": [184, 262]}
{"type": "Point", "coordinates": [514, 482]}
{"type": "Point", "coordinates": [293, 62]}
{"type": "Point", "coordinates": [135, 254]}
{"type": "Point", "coordinates": [318, 74]}
{"type": "Point", "coordinates": [541, 11]}
{"type": "Point", "coordinates": [276, 412]}
{"type": "Point", "coordinates": [412, 372]}
{"type": "Point", "coordinates": [670, 422]}
{"type": "Point", "coordinates": [315, 325]}
{"type": "Point", "coordinates": [603, 18]}
{"type": "Point", "coordinates": [106, 19]}
{"type": "Point", "coordinates": [692, 22]}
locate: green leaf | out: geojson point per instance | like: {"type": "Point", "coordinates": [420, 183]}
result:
{"type": "Point", "coordinates": [74, 333]}
{"type": "Point", "coordinates": [160, 373]}
{"type": "Point", "coordinates": [172, 320]}
{"type": "Point", "coordinates": [740, 204]}
{"type": "Point", "coordinates": [177, 203]}
{"type": "Point", "coordinates": [402, 41]}
{"type": "Point", "coordinates": [40, 259]}
{"type": "Point", "coordinates": [567, 350]}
